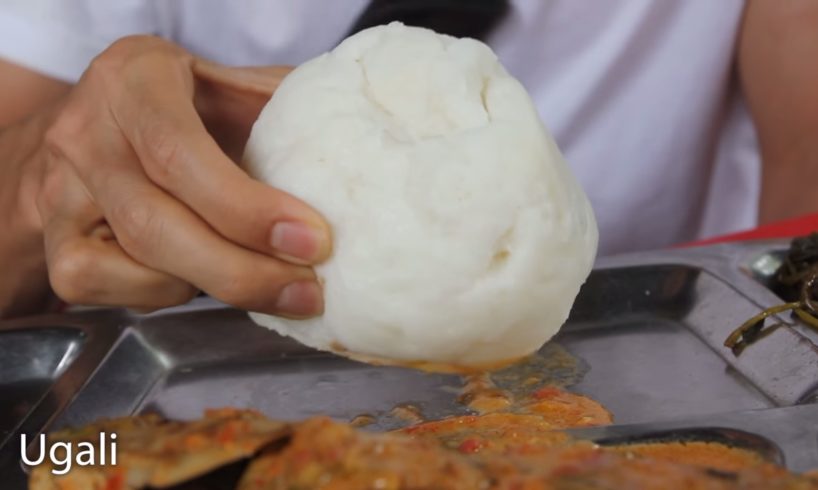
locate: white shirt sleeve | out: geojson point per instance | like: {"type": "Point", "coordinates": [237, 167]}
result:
{"type": "Point", "coordinates": [59, 38]}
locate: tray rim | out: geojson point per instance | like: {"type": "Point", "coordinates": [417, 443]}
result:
{"type": "Point", "coordinates": [104, 329]}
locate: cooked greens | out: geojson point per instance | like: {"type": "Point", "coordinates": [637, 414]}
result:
{"type": "Point", "coordinates": [796, 281]}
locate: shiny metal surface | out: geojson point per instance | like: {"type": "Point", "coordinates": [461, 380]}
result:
{"type": "Point", "coordinates": [646, 331]}
{"type": "Point", "coordinates": [32, 359]}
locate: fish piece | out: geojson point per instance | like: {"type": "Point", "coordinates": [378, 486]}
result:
{"type": "Point", "coordinates": [155, 452]}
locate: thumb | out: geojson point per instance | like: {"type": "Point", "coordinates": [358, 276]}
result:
{"type": "Point", "coordinates": [249, 81]}
{"type": "Point", "coordinates": [229, 99]}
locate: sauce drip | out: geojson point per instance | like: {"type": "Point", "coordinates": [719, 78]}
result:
{"type": "Point", "coordinates": [526, 387]}
{"type": "Point", "coordinates": [408, 413]}
{"type": "Point", "coordinates": [481, 395]}
{"type": "Point", "coordinates": [362, 420]}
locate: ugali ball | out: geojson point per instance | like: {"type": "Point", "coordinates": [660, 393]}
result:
{"type": "Point", "coordinates": [460, 238]}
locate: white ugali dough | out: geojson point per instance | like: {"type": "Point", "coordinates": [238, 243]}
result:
{"type": "Point", "coordinates": [459, 235]}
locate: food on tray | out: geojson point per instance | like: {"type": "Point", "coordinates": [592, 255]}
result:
{"type": "Point", "coordinates": [517, 449]}
{"type": "Point", "coordinates": [697, 453]}
{"type": "Point", "coordinates": [155, 452]}
{"type": "Point", "coordinates": [460, 236]}
{"type": "Point", "coordinates": [797, 281]}
{"type": "Point", "coordinates": [326, 455]}
{"type": "Point", "coordinates": [533, 420]}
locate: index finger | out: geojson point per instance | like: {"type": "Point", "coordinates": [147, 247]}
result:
{"type": "Point", "coordinates": [179, 155]}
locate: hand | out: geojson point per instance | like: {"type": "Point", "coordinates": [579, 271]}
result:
{"type": "Point", "coordinates": [141, 207]}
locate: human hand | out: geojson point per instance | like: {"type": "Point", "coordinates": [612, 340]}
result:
{"type": "Point", "coordinates": [141, 206]}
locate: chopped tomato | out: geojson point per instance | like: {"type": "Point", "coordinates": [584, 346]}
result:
{"type": "Point", "coordinates": [115, 481]}
{"type": "Point", "coordinates": [470, 446]}
{"type": "Point", "coordinates": [547, 392]}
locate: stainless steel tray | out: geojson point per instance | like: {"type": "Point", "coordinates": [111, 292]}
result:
{"type": "Point", "coordinates": [646, 333]}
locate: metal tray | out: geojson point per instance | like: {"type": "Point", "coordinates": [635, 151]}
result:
{"type": "Point", "coordinates": [645, 333]}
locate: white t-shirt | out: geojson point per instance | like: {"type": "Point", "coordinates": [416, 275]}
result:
{"type": "Point", "coordinates": [640, 94]}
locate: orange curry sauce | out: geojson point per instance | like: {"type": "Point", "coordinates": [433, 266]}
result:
{"type": "Point", "coordinates": [510, 443]}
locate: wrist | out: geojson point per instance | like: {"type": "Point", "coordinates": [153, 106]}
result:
{"type": "Point", "coordinates": [30, 172]}
{"type": "Point", "coordinates": [24, 287]}
{"type": "Point", "coordinates": [25, 220]}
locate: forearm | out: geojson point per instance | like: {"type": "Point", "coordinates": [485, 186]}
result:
{"type": "Point", "coordinates": [789, 183]}
{"type": "Point", "coordinates": [24, 285]}
{"type": "Point", "coordinates": [779, 76]}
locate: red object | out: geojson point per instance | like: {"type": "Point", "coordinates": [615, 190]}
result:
{"type": "Point", "coordinates": [547, 392]}
{"type": "Point", "coordinates": [803, 225]}
{"type": "Point", "coordinates": [470, 446]}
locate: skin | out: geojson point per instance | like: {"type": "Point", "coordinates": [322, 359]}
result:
{"type": "Point", "coordinates": [117, 194]}
{"type": "Point", "coordinates": [121, 190]}
{"type": "Point", "coordinates": [778, 49]}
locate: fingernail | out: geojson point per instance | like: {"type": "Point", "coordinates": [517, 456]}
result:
{"type": "Point", "coordinates": [297, 240]}
{"type": "Point", "coordinates": [301, 299]}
